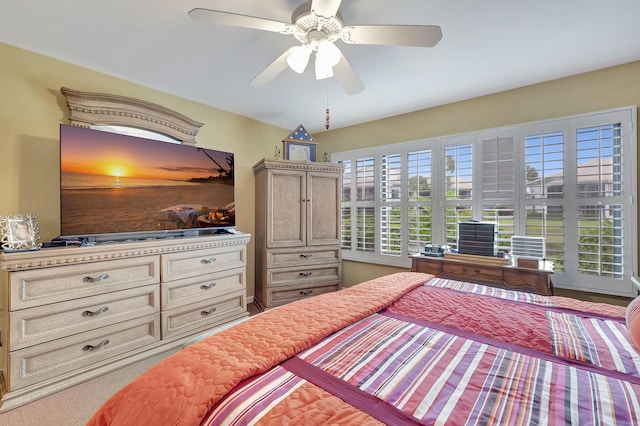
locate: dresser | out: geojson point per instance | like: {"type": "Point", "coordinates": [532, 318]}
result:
{"type": "Point", "coordinates": [72, 314]}
{"type": "Point", "coordinates": [484, 270]}
{"type": "Point", "coordinates": [297, 230]}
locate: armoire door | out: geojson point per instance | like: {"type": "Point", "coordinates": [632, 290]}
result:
{"type": "Point", "coordinates": [286, 209]}
{"type": "Point", "coordinates": [323, 212]}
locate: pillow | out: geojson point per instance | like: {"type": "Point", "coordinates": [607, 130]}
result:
{"type": "Point", "coordinates": [632, 318]}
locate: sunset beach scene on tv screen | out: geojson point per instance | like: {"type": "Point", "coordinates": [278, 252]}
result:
{"type": "Point", "coordinates": [112, 183]}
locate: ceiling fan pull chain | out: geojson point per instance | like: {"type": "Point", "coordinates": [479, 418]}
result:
{"type": "Point", "coordinates": [326, 116]}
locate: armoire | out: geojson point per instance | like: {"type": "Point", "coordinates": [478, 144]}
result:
{"type": "Point", "coordinates": [297, 230]}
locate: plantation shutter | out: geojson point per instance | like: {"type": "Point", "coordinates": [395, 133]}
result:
{"type": "Point", "coordinates": [497, 169]}
{"type": "Point", "coordinates": [365, 202]}
{"type": "Point", "coordinates": [459, 186]}
{"type": "Point", "coordinates": [390, 208]}
{"type": "Point", "coordinates": [345, 208]}
{"type": "Point", "coordinates": [419, 204]}
{"type": "Point", "coordinates": [600, 210]}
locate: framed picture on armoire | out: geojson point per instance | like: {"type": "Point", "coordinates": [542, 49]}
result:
{"type": "Point", "coordinates": [300, 145]}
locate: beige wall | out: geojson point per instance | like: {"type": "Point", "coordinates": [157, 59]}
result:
{"type": "Point", "coordinates": [31, 109]}
{"type": "Point", "coordinates": [605, 89]}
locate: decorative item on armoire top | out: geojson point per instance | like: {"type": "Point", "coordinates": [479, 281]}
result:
{"type": "Point", "coordinates": [277, 155]}
{"type": "Point", "coordinates": [325, 157]}
{"type": "Point", "coordinates": [20, 232]}
{"type": "Point", "coordinates": [299, 145]}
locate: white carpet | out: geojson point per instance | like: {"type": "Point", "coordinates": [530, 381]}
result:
{"type": "Point", "coordinates": [74, 406]}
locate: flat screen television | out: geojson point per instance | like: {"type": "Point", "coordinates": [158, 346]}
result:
{"type": "Point", "coordinates": [118, 186]}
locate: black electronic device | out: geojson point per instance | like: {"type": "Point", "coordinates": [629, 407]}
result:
{"type": "Point", "coordinates": [478, 238]}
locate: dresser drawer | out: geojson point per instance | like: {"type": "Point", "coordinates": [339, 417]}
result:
{"type": "Point", "coordinates": [44, 323]}
{"type": "Point", "coordinates": [38, 287]}
{"type": "Point", "coordinates": [196, 289]}
{"type": "Point", "coordinates": [521, 279]}
{"type": "Point", "coordinates": [199, 262]}
{"type": "Point", "coordinates": [278, 258]}
{"type": "Point", "coordinates": [205, 314]}
{"type": "Point", "coordinates": [472, 272]}
{"type": "Point", "coordinates": [309, 275]}
{"type": "Point", "coordinates": [282, 295]}
{"type": "Point", "coordinates": [48, 360]}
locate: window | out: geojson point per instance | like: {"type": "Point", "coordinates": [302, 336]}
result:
{"type": "Point", "coordinates": [365, 205]}
{"type": "Point", "coordinates": [544, 200]}
{"type": "Point", "coordinates": [419, 199]}
{"type": "Point", "coordinates": [544, 160]}
{"type": "Point", "coordinates": [346, 220]}
{"type": "Point", "coordinates": [604, 211]}
{"type": "Point", "coordinates": [496, 177]}
{"type": "Point", "coordinates": [390, 208]}
{"type": "Point", "coordinates": [570, 180]}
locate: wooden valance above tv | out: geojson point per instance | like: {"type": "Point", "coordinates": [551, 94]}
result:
{"type": "Point", "coordinates": [89, 109]}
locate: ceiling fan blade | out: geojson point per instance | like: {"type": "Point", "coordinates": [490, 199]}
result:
{"type": "Point", "coordinates": [325, 8]}
{"type": "Point", "coordinates": [347, 77]}
{"type": "Point", "coordinates": [218, 17]}
{"type": "Point", "coordinates": [400, 35]}
{"type": "Point", "coordinates": [273, 69]}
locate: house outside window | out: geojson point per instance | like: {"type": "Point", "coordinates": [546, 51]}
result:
{"type": "Point", "coordinates": [570, 180]}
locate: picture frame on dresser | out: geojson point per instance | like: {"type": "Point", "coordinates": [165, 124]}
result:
{"type": "Point", "coordinates": [19, 232]}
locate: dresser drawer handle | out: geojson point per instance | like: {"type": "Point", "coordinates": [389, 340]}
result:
{"type": "Point", "coordinates": [305, 274]}
{"type": "Point", "coordinates": [207, 287]}
{"type": "Point", "coordinates": [209, 312]}
{"type": "Point", "coordinates": [96, 347]}
{"type": "Point", "coordinates": [94, 313]}
{"type": "Point", "coordinates": [306, 255]}
{"type": "Point", "coordinates": [306, 292]}
{"type": "Point", "coordinates": [208, 261]}
{"type": "Point", "coordinates": [96, 279]}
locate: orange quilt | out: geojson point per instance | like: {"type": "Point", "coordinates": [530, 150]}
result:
{"type": "Point", "coordinates": [181, 389]}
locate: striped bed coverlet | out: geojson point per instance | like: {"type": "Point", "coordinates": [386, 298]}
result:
{"type": "Point", "coordinates": [456, 353]}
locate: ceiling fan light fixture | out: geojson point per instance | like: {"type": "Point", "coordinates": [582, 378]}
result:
{"type": "Point", "coordinates": [323, 70]}
{"type": "Point", "coordinates": [299, 58]}
{"type": "Point", "coordinates": [328, 53]}
{"type": "Point", "coordinates": [327, 56]}
{"type": "Point", "coordinates": [317, 24]}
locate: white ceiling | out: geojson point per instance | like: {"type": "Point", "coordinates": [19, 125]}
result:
{"type": "Point", "coordinates": [487, 46]}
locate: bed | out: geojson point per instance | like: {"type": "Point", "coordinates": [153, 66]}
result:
{"type": "Point", "coordinates": [408, 348]}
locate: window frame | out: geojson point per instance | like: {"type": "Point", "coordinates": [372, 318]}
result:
{"type": "Point", "coordinates": [627, 116]}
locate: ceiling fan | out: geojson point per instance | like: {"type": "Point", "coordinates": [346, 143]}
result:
{"type": "Point", "coordinates": [317, 25]}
